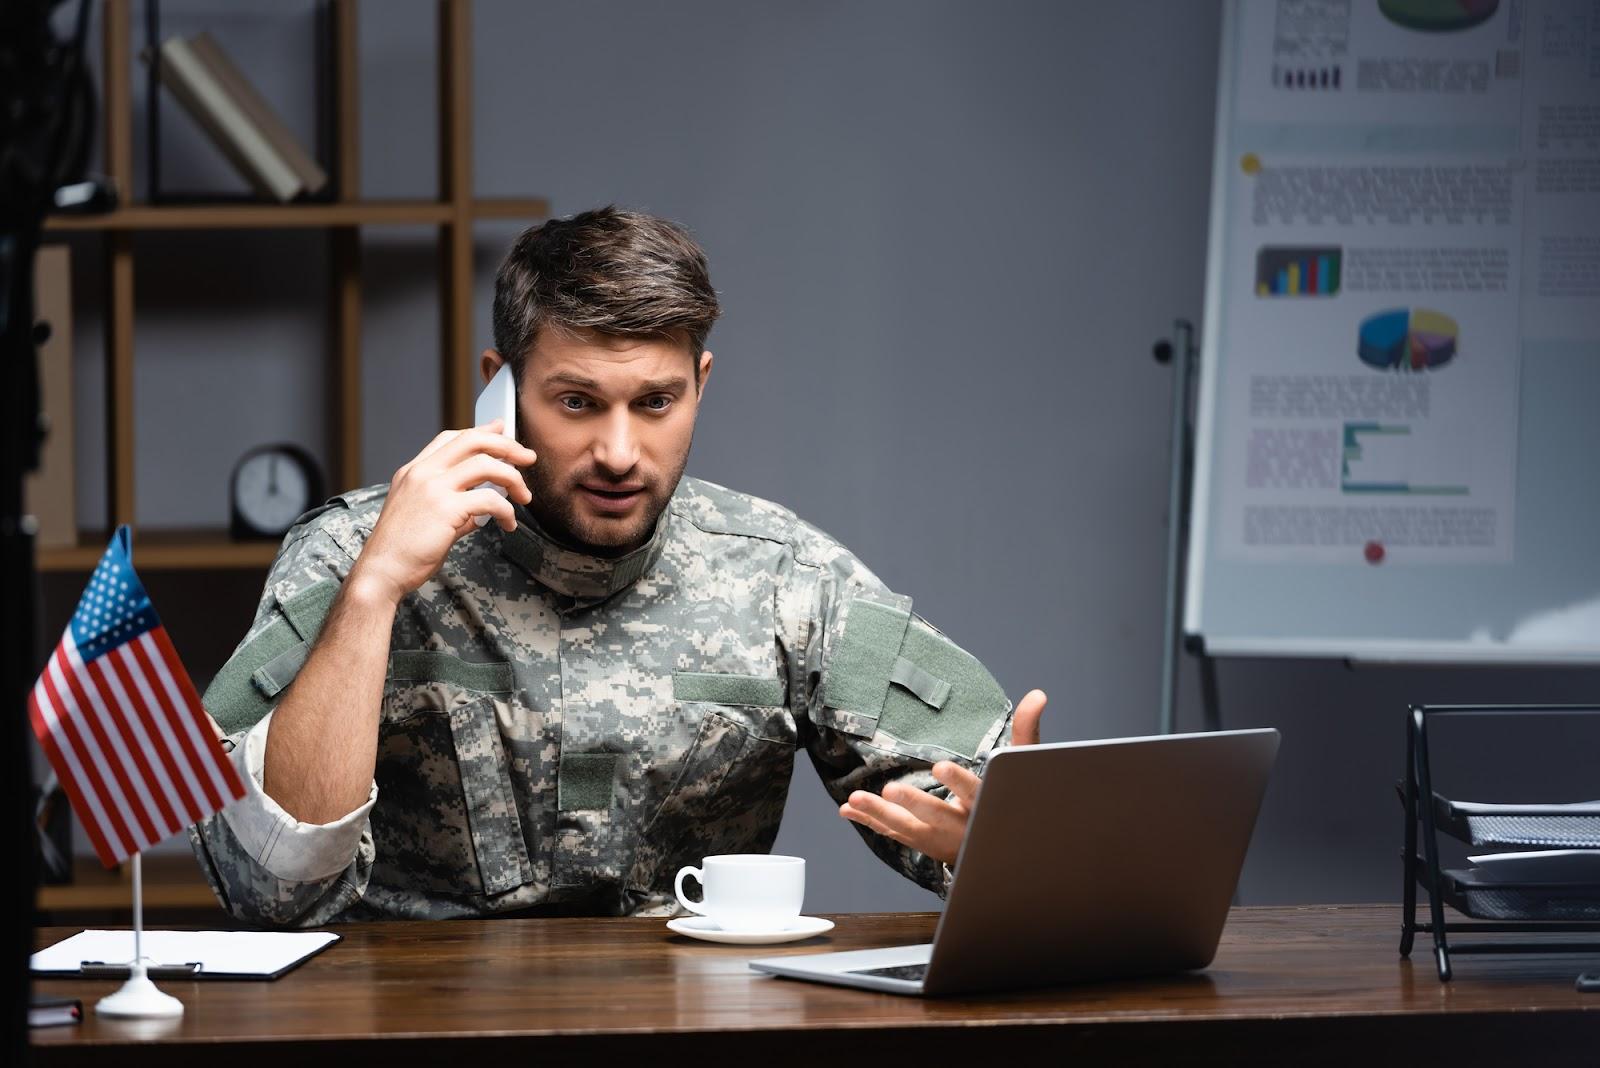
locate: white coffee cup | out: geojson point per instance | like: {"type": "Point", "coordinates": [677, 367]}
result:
{"type": "Point", "coordinates": [747, 892]}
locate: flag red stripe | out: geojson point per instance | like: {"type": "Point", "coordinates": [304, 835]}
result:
{"type": "Point", "coordinates": [119, 766]}
{"type": "Point", "coordinates": [188, 777]}
{"type": "Point", "coordinates": [139, 743]}
{"type": "Point", "coordinates": [185, 739]}
{"type": "Point", "coordinates": [71, 738]}
{"type": "Point", "coordinates": [175, 785]}
{"type": "Point", "coordinates": [116, 712]}
{"type": "Point", "coordinates": [226, 775]}
{"type": "Point", "coordinates": [65, 690]}
{"type": "Point", "coordinates": [67, 721]}
{"type": "Point", "coordinates": [69, 780]}
{"type": "Point", "coordinates": [200, 717]}
{"type": "Point", "coordinates": [118, 707]}
{"type": "Point", "coordinates": [205, 727]}
{"type": "Point", "coordinates": [193, 725]}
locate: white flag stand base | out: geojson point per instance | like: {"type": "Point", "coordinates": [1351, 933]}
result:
{"type": "Point", "coordinates": [139, 999]}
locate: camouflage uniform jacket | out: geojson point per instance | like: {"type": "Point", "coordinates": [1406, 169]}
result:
{"type": "Point", "coordinates": [560, 733]}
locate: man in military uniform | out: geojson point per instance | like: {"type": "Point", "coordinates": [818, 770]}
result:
{"type": "Point", "coordinates": [550, 713]}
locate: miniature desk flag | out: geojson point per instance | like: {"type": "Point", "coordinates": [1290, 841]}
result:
{"type": "Point", "coordinates": [120, 721]}
{"type": "Point", "coordinates": [122, 724]}
{"type": "Point", "coordinates": [130, 741]}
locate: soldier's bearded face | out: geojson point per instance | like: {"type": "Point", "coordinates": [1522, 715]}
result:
{"type": "Point", "coordinates": [612, 420]}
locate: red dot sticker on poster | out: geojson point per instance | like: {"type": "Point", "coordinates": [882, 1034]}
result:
{"type": "Point", "coordinates": [1373, 552]}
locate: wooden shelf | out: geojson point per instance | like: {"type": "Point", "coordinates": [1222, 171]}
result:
{"type": "Point", "coordinates": [265, 216]}
{"type": "Point", "coordinates": [174, 892]}
{"type": "Point", "coordinates": [166, 550]}
{"type": "Point", "coordinates": [452, 214]}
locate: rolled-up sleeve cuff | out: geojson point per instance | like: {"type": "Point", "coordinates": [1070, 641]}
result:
{"type": "Point", "coordinates": [288, 849]}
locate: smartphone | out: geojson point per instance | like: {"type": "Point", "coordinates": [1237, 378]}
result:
{"type": "Point", "coordinates": [497, 401]}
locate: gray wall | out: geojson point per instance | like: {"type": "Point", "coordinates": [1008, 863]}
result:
{"type": "Point", "coordinates": [945, 236]}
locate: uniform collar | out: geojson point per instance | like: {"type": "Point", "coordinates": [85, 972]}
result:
{"type": "Point", "coordinates": [584, 578]}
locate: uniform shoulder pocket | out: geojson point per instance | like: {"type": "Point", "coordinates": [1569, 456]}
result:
{"type": "Point", "coordinates": [940, 694]}
{"type": "Point", "coordinates": [857, 660]}
{"type": "Point", "coordinates": [889, 671]}
{"type": "Point", "coordinates": [249, 684]}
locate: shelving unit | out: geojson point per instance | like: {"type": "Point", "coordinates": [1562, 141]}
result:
{"type": "Point", "coordinates": [453, 213]}
{"type": "Point", "coordinates": [288, 216]}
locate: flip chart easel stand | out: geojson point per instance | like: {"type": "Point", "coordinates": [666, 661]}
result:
{"type": "Point", "coordinates": [1184, 355]}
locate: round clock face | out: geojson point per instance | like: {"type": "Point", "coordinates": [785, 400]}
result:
{"type": "Point", "coordinates": [271, 491]}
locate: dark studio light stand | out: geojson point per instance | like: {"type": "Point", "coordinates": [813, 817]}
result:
{"type": "Point", "coordinates": [1184, 355]}
{"type": "Point", "coordinates": [46, 115]}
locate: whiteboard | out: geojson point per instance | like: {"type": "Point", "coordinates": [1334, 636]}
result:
{"type": "Point", "coordinates": [1397, 452]}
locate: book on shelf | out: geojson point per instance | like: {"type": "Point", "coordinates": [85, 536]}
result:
{"type": "Point", "coordinates": [237, 118]}
{"type": "Point", "coordinates": [312, 177]}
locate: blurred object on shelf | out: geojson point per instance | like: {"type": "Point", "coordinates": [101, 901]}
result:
{"type": "Point", "coordinates": [50, 493]}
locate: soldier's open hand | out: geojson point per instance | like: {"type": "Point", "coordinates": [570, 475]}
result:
{"type": "Point", "coordinates": [434, 500]}
{"type": "Point", "coordinates": [936, 826]}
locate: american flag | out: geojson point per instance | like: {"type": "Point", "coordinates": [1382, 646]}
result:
{"type": "Point", "coordinates": [121, 723]}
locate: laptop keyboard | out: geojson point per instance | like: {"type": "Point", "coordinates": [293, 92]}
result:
{"type": "Point", "coordinates": [915, 973]}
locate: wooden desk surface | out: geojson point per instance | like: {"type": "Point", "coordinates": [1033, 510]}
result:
{"type": "Point", "coordinates": [1303, 985]}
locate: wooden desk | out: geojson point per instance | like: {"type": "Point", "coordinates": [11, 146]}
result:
{"type": "Point", "coordinates": [1289, 985]}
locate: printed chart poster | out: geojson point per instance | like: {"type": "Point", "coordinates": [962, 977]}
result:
{"type": "Point", "coordinates": [1410, 192]}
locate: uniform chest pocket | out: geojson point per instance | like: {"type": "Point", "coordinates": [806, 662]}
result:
{"type": "Point", "coordinates": [446, 818]}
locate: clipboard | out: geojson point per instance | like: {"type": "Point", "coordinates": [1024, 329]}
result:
{"type": "Point", "coordinates": [258, 955]}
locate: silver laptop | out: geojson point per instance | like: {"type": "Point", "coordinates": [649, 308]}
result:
{"type": "Point", "coordinates": [1082, 861]}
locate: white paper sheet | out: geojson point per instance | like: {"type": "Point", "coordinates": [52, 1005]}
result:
{"type": "Point", "coordinates": [1485, 808]}
{"type": "Point", "coordinates": [1581, 866]}
{"type": "Point", "coordinates": [233, 953]}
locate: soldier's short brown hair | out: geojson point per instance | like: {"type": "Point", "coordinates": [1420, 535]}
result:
{"type": "Point", "coordinates": [619, 273]}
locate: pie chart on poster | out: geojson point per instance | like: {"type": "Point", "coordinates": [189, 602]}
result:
{"type": "Point", "coordinates": [1407, 339]}
{"type": "Point", "coordinates": [1438, 16]}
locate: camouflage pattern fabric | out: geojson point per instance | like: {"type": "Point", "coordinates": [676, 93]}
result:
{"type": "Point", "coordinates": [560, 733]}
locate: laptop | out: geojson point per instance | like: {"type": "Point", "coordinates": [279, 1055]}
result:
{"type": "Point", "coordinates": [1082, 861]}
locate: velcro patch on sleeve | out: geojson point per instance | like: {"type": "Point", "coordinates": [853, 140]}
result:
{"type": "Point", "coordinates": [929, 688]}
{"type": "Point", "coordinates": [857, 675]}
{"type": "Point", "coordinates": [307, 609]}
{"type": "Point", "coordinates": [273, 677]}
{"type": "Point", "coordinates": [973, 700]}
{"type": "Point", "coordinates": [234, 698]}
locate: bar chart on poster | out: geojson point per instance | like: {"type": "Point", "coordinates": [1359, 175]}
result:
{"type": "Point", "coordinates": [1399, 397]}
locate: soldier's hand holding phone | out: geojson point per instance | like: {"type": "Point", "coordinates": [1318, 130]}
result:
{"type": "Point", "coordinates": [435, 500]}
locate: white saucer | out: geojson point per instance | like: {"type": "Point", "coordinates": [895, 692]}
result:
{"type": "Point", "coordinates": [704, 928]}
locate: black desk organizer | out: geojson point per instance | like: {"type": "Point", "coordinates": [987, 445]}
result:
{"type": "Point", "coordinates": [1496, 907]}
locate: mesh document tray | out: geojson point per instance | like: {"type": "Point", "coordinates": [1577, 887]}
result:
{"type": "Point", "coordinates": [1483, 899]}
{"type": "Point", "coordinates": [1575, 826]}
